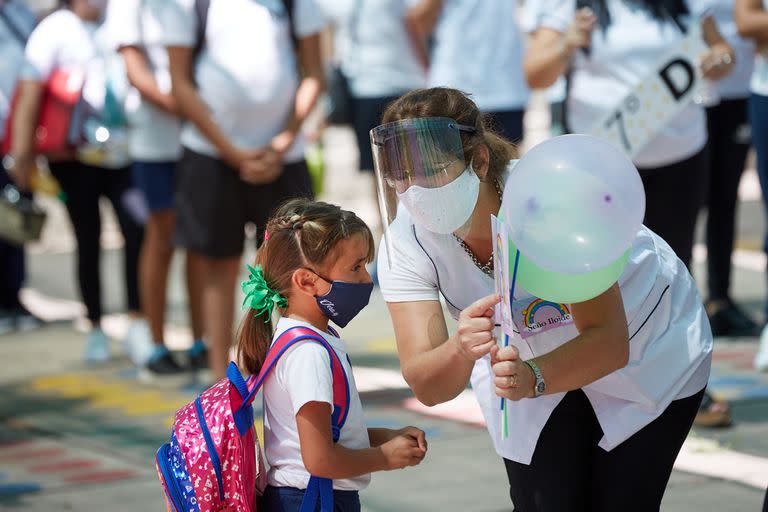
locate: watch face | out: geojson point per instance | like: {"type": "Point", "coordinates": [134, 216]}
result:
{"type": "Point", "coordinates": [540, 387]}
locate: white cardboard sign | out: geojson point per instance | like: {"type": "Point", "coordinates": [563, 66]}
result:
{"type": "Point", "coordinates": [658, 98]}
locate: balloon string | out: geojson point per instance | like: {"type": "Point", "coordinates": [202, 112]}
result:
{"type": "Point", "coordinates": [504, 424]}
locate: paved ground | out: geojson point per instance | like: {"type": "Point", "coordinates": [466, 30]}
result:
{"type": "Point", "coordinates": [82, 438]}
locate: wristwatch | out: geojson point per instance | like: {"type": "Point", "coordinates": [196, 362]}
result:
{"type": "Point", "coordinates": [540, 386]}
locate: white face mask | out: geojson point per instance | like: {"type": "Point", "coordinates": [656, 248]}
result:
{"type": "Point", "coordinates": [443, 209]}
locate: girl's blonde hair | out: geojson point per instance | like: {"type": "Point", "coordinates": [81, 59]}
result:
{"type": "Point", "coordinates": [446, 102]}
{"type": "Point", "coordinates": [302, 233]}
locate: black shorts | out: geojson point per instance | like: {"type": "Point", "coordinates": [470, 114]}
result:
{"type": "Point", "coordinates": [367, 114]}
{"type": "Point", "coordinates": [213, 204]}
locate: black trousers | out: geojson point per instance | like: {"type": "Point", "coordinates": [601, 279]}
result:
{"type": "Point", "coordinates": [84, 185]}
{"type": "Point", "coordinates": [728, 145]}
{"type": "Point", "coordinates": [674, 195]}
{"type": "Point", "coordinates": [571, 473]}
{"type": "Point", "coordinates": [11, 265]}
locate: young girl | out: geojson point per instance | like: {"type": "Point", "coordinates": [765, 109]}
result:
{"type": "Point", "coordinates": [313, 256]}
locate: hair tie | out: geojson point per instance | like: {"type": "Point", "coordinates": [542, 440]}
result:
{"type": "Point", "coordinates": [298, 225]}
{"type": "Point", "coordinates": [259, 296]}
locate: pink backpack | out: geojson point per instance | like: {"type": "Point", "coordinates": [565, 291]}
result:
{"type": "Point", "coordinates": [213, 461]}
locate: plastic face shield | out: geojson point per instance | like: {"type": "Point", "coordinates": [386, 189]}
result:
{"type": "Point", "coordinates": [420, 166]}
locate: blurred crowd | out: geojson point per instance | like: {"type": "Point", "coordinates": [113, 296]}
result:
{"type": "Point", "coordinates": [190, 117]}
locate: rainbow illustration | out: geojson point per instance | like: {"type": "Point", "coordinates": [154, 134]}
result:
{"type": "Point", "coordinates": [529, 314]}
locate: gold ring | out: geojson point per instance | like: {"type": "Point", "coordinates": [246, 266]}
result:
{"type": "Point", "coordinates": [513, 380]}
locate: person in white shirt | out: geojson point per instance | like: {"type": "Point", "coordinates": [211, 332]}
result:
{"type": "Point", "coordinates": [235, 77]}
{"type": "Point", "coordinates": [478, 48]}
{"type": "Point", "coordinates": [752, 21]}
{"type": "Point", "coordinates": [380, 56]}
{"type": "Point", "coordinates": [16, 23]}
{"type": "Point", "coordinates": [529, 21]}
{"type": "Point", "coordinates": [154, 148]}
{"type": "Point", "coordinates": [68, 41]}
{"type": "Point", "coordinates": [608, 46]}
{"type": "Point", "coordinates": [729, 141]}
{"type": "Point", "coordinates": [602, 400]}
{"type": "Point", "coordinates": [311, 269]}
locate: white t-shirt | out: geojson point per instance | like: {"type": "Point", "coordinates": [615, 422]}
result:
{"type": "Point", "coordinates": [303, 374]}
{"type": "Point", "coordinates": [63, 41]}
{"type": "Point", "coordinates": [246, 71]}
{"type": "Point", "coordinates": [619, 58]}
{"type": "Point", "coordinates": [670, 338]}
{"type": "Point", "coordinates": [154, 133]}
{"type": "Point", "coordinates": [759, 83]}
{"type": "Point", "coordinates": [374, 47]}
{"type": "Point", "coordinates": [12, 53]}
{"type": "Point", "coordinates": [479, 50]}
{"type": "Point", "coordinates": [736, 84]}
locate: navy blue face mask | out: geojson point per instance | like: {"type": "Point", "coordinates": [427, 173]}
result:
{"type": "Point", "coordinates": [344, 300]}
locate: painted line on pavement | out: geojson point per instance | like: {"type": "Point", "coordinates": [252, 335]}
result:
{"type": "Point", "coordinates": [747, 260]}
{"type": "Point", "coordinates": [705, 457]}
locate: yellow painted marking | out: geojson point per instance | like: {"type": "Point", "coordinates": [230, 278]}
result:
{"type": "Point", "coordinates": [155, 407]}
{"type": "Point", "coordinates": [384, 346]}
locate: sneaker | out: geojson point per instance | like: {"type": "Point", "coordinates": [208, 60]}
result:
{"type": "Point", "coordinates": [26, 321]}
{"type": "Point", "coordinates": [761, 359]}
{"type": "Point", "coordinates": [7, 322]}
{"type": "Point", "coordinates": [138, 344]}
{"type": "Point", "coordinates": [731, 321]}
{"type": "Point", "coordinates": [164, 365]}
{"type": "Point", "coordinates": [97, 347]}
{"type": "Point", "coordinates": [198, 357]}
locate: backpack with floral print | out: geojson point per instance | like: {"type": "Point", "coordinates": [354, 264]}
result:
{"type": "Point", "coordinates": [213, 461]}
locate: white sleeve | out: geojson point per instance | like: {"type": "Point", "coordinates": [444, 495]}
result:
{"type": "Point", "coordinates": [308, 18]}
{"type": "Point", "coordinates": [407, 274]}
{"type": "Point", "coordinates": [699, 9]}
{"type": "Point", "coordinates": [304, 371]}
{"type": "Point", "coordinates": [42, 50]}
{"type": "Point", "coordinates": [124, 23]}
{"type": "Point", "coordinates": [178, 20]}
{"type": "Point", "coordinates": [556, 14]}
{"type": "Point", "coordinates": [529, 20]}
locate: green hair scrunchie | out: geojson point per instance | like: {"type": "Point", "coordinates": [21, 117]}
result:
{"type": "Point", "coordinates": [259, 296]}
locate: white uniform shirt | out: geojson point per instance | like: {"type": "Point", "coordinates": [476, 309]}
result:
{"type": "Point", "coordinates": [246, 72]}
{"type": "Point", "coordinates": [63, 41]}
{"type": "Point", "coordinates": [301, 375]}
{"type": "Point", "coordinates": [479, 50]}
{"type": "Point", "coordinates": [374, 46]}
{"type": "Point", "coordinates": [736, 84]}
{"type": "Point", "coordinates": [12, 53]}
{"type": "Point", "coordinates": [670, 338]}
{"type": "Point", "coordinates": [620, 57]}
{"type": "Point", "coordinates": [759, 83]}
{"type": "Point", "coordinates": [154, 133]}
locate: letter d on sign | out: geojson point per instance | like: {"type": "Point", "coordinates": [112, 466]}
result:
{"type": "Point", "coordinates": [671, 76]}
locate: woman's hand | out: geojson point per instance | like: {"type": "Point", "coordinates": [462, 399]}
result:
{"type": "Point", "coordinates": [512, 378]}
{"type": "Point", "coordinates": [720, 59]}
{"type": "Point", "coordinates": [718, 62]}
{"type": "Point", "coordinates": [579, 33]}
{"type": "Point", "coordinates": [474, 336]}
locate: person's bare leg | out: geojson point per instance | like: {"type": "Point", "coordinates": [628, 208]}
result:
{"type": "Point", "coordinates": [219, 309]}
{"type": "Point", "coordinates": [154, 264]}
{"type": "Point", "coordinates": [195, 277]}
